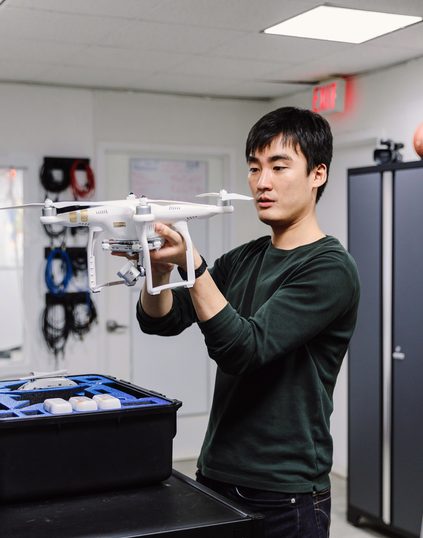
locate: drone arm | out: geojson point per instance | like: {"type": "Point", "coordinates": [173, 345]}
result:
{"type": "Point", "coordinates": [181, 227]}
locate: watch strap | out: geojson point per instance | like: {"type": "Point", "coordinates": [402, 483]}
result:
{"type": "Point", "coordinates": [198, 272]}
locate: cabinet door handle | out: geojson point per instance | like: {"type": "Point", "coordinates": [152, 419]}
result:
{"type": "Point", "coordinates": [398, 354]}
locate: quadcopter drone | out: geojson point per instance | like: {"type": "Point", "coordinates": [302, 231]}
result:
{"type": "Point", "coordinates": [129, 227]}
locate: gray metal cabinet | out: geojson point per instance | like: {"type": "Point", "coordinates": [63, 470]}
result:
{"type": "Point", "coordinates": [385, 370]}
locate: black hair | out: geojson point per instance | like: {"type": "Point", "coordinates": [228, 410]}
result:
{"type": "Point", "coordinates": [299, 127]}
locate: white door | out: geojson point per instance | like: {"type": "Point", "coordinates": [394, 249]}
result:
{"type": "Point", "coordinates": [179, 366]}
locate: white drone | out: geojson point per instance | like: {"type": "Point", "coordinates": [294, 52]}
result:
{"type": "Point", "coordinates": [129, 226]}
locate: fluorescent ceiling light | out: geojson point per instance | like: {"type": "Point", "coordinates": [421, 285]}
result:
{"type": "Point", "coordinates": [342, 24]}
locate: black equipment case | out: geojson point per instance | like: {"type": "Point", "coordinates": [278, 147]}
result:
{"type": "Point", "coordinates": [42, 455]}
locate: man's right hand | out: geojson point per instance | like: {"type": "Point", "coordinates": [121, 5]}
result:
{"type": "Point", "coordinates": [162, 263]}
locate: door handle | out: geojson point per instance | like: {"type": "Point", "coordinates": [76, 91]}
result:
{"type": "Point", "coordinates": [112, 326]}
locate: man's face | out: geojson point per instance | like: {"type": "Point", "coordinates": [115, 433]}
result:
{"type": "Point", "coordinates": [283, 191]}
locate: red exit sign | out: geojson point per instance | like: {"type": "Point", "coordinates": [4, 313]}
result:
{"type": "Point", "coordinates": [329, 97]}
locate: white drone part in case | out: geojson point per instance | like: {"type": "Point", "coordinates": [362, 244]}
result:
{"type": "Point", "coordinates": [107, 401]}
{"type": "Point", "coordinates": [83, 403]}
{"type": "Point", "coordinates": [57, 406]}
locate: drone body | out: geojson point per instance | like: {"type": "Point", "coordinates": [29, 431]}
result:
{"type": "Point", "coordinates": [119, 218]}
{"type": "Point", "coordinates": [129, 226]}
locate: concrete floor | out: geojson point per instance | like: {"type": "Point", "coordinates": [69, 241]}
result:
{"type": "Point", "coordinates": [340, 528]}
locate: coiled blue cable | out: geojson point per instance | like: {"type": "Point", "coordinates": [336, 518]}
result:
{"type": "Point", "coordinates": [58, 288]}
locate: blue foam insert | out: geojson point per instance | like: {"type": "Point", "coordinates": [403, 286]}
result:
{"type": "Point", "coordinates": [15, 403]}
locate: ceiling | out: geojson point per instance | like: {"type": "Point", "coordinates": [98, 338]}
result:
{"type": "Point", "coordinates": [193, 47]}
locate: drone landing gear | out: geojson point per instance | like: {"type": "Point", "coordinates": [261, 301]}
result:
{"type": "Point", "coordinates": [138, 252]}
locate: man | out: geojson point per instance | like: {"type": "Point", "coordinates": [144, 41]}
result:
{"type": "Point", "coordinates": [277, 314]}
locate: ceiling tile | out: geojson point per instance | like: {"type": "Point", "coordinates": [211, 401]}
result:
{"type": "Point", "coordinates": [233, 14]}
{"type": "Point", "coordinates": [98, 77]}
{"type": "Point", "coordinates": [58, 27]}
{"type": "Point", "coordinates": [266, 47]}
{"type": "Point", "coordinates": [107, 8]}
{"type": "Point", "coordinates": [22, 71]}
{"type": "Point", "coordinates": [204, 85]}
{"type": "Point", "coordinates": [168, 37]}
{"type": "Point", "coordinates": [133, 80]}
{"type": "Point", "coordinates": [407, 38]}
{"type": "Point", "coordinates": [22, 50]}
{"type": "Point", "coordinates": [227, 68]}
{"type": "Point", "coordinates": [350, 62]}
{"type": "Point", "coordinates": [268, 90]}
{"type": "Point", "coordinates": [131, 59]}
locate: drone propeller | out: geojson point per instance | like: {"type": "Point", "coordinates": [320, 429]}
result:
{"type": "Point", "coordinates": [224, 196]}
{"type": "Point", "coordinates": [74, 204]}
{"type": "Point", "coordinates": [50, 203]}
{"type": "Point", "coordinates": [22, 206]}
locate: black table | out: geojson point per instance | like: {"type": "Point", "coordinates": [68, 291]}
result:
{"type": "Point", "coordinates": [177, 507]}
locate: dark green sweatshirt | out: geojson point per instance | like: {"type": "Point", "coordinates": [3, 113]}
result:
{"type": "Point", "coordinates": [279, 345]}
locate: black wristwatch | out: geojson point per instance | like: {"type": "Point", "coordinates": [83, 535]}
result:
{"type": "Point", "coordinates": [198, 272]}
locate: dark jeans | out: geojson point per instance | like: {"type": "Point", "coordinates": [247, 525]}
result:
{"type": "Point", "coordinates": [286, 515]}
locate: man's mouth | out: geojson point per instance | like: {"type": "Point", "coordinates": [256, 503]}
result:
{"type": "Point", "coordinates": [264, 202]}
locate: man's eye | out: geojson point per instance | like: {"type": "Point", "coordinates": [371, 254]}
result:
{"type": "Point", "coordinates": [252, 170]}
{"type": "Point", "coordinates": [279, 168]}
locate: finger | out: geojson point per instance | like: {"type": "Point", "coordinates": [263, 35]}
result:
{"type": "Point", "coordinates": [171, 236]}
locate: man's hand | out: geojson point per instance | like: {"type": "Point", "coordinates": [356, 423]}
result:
{"type": "Point", "coordinates": [206, 297]}
{"type": "Point", "coordinates": [173, 251]}
{"type": "Point", "coordinates": [159, 269]}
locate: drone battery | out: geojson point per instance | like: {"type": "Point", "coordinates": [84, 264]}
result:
{"type": "Point", "coordinates": [83, 403]}
{"type": "Point", "coordinates": [44, 454]}
{"type": "Point", "coordinates": [57, 406]}
{"type": "Point", "coordinates": [107, 401]}
{"type": "Point", "coordinates": [115, 245]}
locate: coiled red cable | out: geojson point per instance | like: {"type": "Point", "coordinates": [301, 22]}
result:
{"type": "Point", "coordinates": [89, 187]}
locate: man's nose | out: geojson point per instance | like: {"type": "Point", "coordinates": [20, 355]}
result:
{"type": "Point", "coordinates": [265, 180]}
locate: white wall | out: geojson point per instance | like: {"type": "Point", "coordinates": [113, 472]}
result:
{"type": "Point", "coordinates": [385, 104]}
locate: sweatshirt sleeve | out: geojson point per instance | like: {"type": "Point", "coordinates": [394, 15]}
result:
{"type": "Point", "coordinates": [181, 316]}
{"type": "Point", "coordinates": [324, 290]}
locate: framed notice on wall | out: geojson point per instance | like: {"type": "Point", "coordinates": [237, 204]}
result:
{"type": "Point", "coordinates": [169, 179]}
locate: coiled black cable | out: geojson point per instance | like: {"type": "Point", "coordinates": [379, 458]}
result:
{"type": "Point", "coordinates": [71, 313]}
{"type": "Point", "coordinates": [83, 316]}
{"type": "Point", "coordinates": [55, 326]}
{"type": "Point", "coordinates": [52, 182]}
{"type": "Point", "coordinates": [79, 262]}
{"type": "Point", "coordinates": [55, 233]}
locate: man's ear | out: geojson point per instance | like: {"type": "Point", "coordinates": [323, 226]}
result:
{"type": "Point", "coordinates": [320, 175]}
